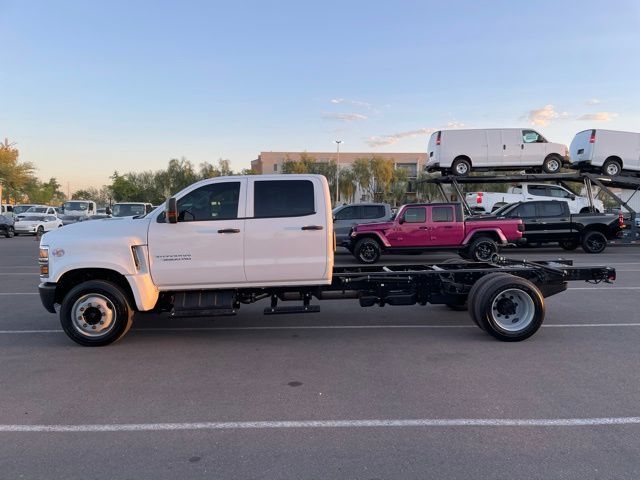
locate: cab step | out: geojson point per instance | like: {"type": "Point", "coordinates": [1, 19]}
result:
{"type": "Point", "coordinates": [204, 303]}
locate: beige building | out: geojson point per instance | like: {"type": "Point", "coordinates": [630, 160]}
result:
{"type": "Point", "coordinates": [271, 162]}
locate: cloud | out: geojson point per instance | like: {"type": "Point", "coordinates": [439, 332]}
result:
{"type": "Point", "coordinates": [382, 140]}
{"type": "Point", "coordinates": [593, 101]}
{"type": "Point", "coordinates": [598, 117]}
{"type": "Point", "coordinates": [344, 117]}
{"type": "Point", "coordinates": [543, 116]}
{"type": "Point", "coordinates": [355, 103]}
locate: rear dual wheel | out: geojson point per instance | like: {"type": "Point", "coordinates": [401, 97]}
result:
{"type": "Point", "coordinates": [507, 307]}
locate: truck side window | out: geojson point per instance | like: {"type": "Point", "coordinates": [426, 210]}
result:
{"type": "Point", "coordinates": [442, 214]}
{"type": "Point", "coordinates": [216, 201]}
{"type": "Point", "coordinates": [550, 209]}
{"type": "Point", "coordinates": [538, 190]}
{"type": "Point", "coordinates": [283, 198]}
{"type": "Point", "coordinates": [347, 213]}
{"type": "Point", "coordinates": [415, 215]}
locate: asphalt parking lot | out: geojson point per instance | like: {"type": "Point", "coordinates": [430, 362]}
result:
{"type": "Point", "coordinates": [353, 393]}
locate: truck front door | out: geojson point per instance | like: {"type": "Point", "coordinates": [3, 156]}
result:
{"type": "Point", "coordinates": [206, 247]}
{"type": "Point", "coordinates": [443, 227]}
{"type": "Point", "coordinates": [411, 229]}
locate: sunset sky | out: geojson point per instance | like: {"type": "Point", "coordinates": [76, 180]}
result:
{"type": "Point", "coordinates": [87, 88]}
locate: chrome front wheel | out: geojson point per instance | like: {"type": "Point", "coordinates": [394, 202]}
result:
{"type": "Point", "coordinates": [93, 315]}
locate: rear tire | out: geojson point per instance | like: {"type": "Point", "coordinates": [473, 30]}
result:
{"type": "Point", "coordinates": [509, 308]}
{"type": "Point", "coordinates": [476, 289]}
{"type": "Point", "coordinates": [569, 244]}
{"type": "Point", "coordinates": [612, 168]}
{"type": "Point", "coordinates": [367, 251]}
{"type": "Point", "coordinates": [552, 164]}
{"type": "Point", "coordinates": [460, 167]}
{"type": "Point", "coordinates": [96, 313]}
{"type": "Point", "coordinates": [483, 249]}
{"type": "Point", "coordinates": [594, 242]}
{"type": "Point", "coordinates": [10, 232]}
{"type": "Point", "coordinates": [40, 231]}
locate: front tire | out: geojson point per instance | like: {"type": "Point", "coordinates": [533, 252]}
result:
{"type": "Point", "coordinates": [9, 233]}
{"type": "Point", "coordinates": [509, 308]}
{"type": "Point", "coordinates": [594, 242]}
{"type": "Point", "coordinates": [367, 250]}
{"type": "Point", "coordinates": [40, 231]}
{"type": "Point", "coordinates": [483, 249]}
{"type": "Point", "coordinates": [96, 313]}
{"type": "Point", "coordinates": [552, 164]}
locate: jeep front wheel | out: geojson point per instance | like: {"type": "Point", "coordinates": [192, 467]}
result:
{"type": "Point", "coordinates": [483, 249]}
{"type": "Point", "coordinates": [367, 250]}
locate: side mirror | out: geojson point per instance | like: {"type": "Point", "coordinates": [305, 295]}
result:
{"type": "Point", "coordinates": [172, 210]}
{"type": "Point", "coordinates": [107, 211]}
{"type": "Point", "coordinates": [401, 220]}
{"type": "Point", "coordinates": [572, 197]}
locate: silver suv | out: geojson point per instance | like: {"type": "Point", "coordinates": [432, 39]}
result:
{"type": "Point", "coordinates": [347, 216]}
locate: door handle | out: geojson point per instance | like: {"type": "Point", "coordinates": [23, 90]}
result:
{"type": "Point", "coordinates": [229, 230]}
{"type": "Point", "coordinates": [522, 146]}
{"type": "Point", "coordinates": [423, 228]}
{"type": "Point", "coordinates": [504, 147]}
{"type": "Point", "coordinates": [312, 227]}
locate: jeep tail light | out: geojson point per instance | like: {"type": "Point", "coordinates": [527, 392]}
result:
{"type": "Point", "coordinates": [521, 227]}
{"type": "Point", "coordinates": [592, 139]}
{"type": "Point", "coordinates": [438, 138]}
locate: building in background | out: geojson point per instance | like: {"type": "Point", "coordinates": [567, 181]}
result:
{"type": "Point", "coordinates": [271, 162]}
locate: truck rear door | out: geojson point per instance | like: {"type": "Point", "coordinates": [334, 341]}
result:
{"type": "Point", "coordinates": [286, 232]}
{"type": "Point", "coordinates": [444, 228]}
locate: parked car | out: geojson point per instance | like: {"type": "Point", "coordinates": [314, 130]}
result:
{"type": "Point", "coordinates": [437, 226]}
{"type": "Point", "coordinates": [131, 209]}
{"type": "Point", "coordinates": [7, 226]}
{"type": "Point", "coordinates": [606, 151]}
{"type": "Point", "coordinates": [458, 152]}
{"type": "Point", "coordinates": [79, 208]}
{"type": "Point", "coordinates": [41, 210]}
{"type": "Point", "coordinates": [347, 216]}
{"type": "Point", "coordinates": [70, 219]}
{"type": "Point", "coordinates": [552, 222]}
{"type": "Point", "coordinates": [491, 201]}
{"type": "Point", "coordinates": [36, 224]}
{"type": "Point", "coordinates": [18, 209]}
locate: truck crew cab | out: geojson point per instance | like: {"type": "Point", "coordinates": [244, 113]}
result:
{"type": "Point", "coordinates": [227, 241]}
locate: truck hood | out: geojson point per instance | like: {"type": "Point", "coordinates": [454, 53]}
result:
{"type": "Point", "coordinates": [101, 232]}
{"type": "Point", "coordinates": [373, 227]}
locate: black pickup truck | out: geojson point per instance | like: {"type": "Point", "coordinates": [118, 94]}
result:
{"type": "Point", "coordinates": [551, 221]}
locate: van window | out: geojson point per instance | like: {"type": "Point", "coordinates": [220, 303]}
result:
{"type": "Point", "coordinates": [550, 209]}
{"type": "Point", "coordinates": [538, 190]}
{"type": "Point", "coordinates": [283, 198]}
{"type": "Point", "coordinates": [415, 215]}
{"type": "Point", "coordinates": [216, 201]}
{"type": "Point", "coordinates": [531, 136]}
{"type": "Point", "coordinates": [442, 214]}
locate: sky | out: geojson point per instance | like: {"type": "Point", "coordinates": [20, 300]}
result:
{"type": "Point", "coordinates": [87, 88]}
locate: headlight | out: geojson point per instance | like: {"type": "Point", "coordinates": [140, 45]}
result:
{"type": "Point", "coordinates": [43, 261]}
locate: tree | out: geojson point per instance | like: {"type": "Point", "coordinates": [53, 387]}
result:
{"type": "Point", "coordinates": [347, 184]}
{"type": "Point", "coordinates": [361, 169]}
{"type": "Point", "coordinates": [382, 173]}
{"type": "Point", "coordinates": [14, 174]}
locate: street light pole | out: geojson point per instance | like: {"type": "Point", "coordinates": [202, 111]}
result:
{"type": "Point", "coordinates": [338, 142]}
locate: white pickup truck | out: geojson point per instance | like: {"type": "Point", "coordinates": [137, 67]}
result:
{"type": "Point", "coordinates": [491, 201]}
{"type": "Point", "coordinates": [228, 241]}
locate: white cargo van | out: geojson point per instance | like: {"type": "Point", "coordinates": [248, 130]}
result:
{"type": "Point", "coordinates": [606, 151]}
{"type": "Point", "coordinates": [460, 151]}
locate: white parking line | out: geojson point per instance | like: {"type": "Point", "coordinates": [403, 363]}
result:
{"type": "Point", "coordinates": [312, 424]}
{"type": "Point", "coordinates": [325, 327]}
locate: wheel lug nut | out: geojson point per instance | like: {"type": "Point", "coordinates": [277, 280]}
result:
{"type": "Point", "coordinates": [101, 322]}
{"type": "Point", "coordinates": [85, 325]}
{"type": "Point", "coordinates": [93, 327]}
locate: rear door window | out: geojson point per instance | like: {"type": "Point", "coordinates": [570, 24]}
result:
{"type": "Point", "coordinates": [538, 190]}
{"type": "Point", "coordinates": [442, 214]}
{"type": "Point", "coordinates": [347, 213]}
{"type": "Point", "coordinates": [372, 211]}
{"type": "Point", "coordinates": [526, 210]}
{"type": "Point", "coordinates": [550, 209]}
{"type": "Point", "coordinates": [558, 192]}
{"type": "Point", "coordinates": [283, 198]}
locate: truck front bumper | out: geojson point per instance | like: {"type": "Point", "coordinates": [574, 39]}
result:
{"type": "Point", "coordinates": [48, 296]}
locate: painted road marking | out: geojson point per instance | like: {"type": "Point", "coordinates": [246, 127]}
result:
{"type": "Point", "coordinates": [309, 424]}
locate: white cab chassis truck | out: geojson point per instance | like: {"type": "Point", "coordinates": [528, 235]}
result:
{"type": "Point", "coordinates": [228, 241]}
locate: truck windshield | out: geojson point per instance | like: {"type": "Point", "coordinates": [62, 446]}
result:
{"type": "Point", "coordinates": [37, 210]}
{"type": "Point", "coordinates": [128, 209]}
{"type": "Point", "coordinates": [76, 206]}
{"type": "Point", "coordinates": [21, 209]}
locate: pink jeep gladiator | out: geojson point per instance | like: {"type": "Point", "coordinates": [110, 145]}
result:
{"type": "Point", "coordinates": [436, 226]}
